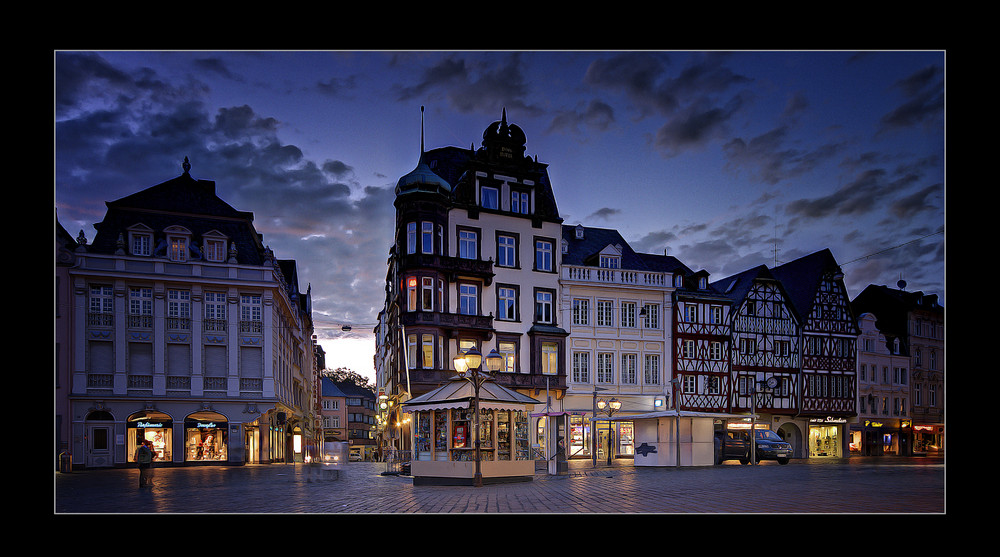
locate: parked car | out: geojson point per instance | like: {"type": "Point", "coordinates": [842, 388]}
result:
{"type": "Point", "coordinates": [735, 445]}
{"type": "Point", "coordinates": [772, 447]}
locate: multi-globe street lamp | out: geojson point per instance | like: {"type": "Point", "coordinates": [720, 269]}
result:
{"type": "Point", "coordinates": [468, 365]}
{"type": "Point", "coordinates": [610, 407]}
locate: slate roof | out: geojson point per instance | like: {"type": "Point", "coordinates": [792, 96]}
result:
{"type": "Point", "coordinates": [182, 201]}
{"type": "Point", "coordinates": [801, 278]}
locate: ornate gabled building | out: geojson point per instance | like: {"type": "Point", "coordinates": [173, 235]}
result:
{"type": "Point", "coordinates": [475, 263]}
{"type": "Point", "coordinates": [765, 352]}
{"type": "Point", "coordinates": [829, 329]}
{"type": "Point", "coordinates": [916, 321]}
{"type": "Point", "coordinates": [188, 332]}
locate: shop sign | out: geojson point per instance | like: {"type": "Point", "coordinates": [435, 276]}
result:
{"type": "Point", "coordinates": [870, 423]}
{"type": "Point", "coordinates": [828, 420]}
{"type": "Point", "coordinates": [210, 425]}
{"type": "Point", "coordinates": [149, 424]}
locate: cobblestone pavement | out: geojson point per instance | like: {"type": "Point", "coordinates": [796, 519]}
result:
{"type": "Point", "coordinates": [850, 485]}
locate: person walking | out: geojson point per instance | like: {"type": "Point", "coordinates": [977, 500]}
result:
{"type": "Point", "coordinates": [144, 459]}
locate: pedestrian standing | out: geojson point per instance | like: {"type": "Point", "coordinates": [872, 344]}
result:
{"type": "Point", "coordinates": [144, 459]}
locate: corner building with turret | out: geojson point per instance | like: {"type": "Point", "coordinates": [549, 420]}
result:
{"type": "Point", "coordinates": [474, 262]}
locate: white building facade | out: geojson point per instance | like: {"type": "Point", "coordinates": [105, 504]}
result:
{"type": "Point", "coordinates": [189, 333]}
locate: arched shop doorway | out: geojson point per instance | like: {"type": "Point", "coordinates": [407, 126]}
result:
{"type": "Point", "coordinates": [206, 437]}
{"type": "Point", "coordinates": [153, 426]}
{"type": "Point", "coordinates": [99, 427]}
{"type": "Point", "coordinates": [792, 434]}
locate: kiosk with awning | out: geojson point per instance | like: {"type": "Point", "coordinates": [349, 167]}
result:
{"type": "Point", "coordinates": [657, 435]}
{"type": "Point", "coordinates": [444, 451]}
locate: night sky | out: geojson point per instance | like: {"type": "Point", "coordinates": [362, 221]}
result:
{"type": "Point", "coordinates": [725, 160]}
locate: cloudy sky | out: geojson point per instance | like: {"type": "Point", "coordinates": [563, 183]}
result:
{"type": "Point", "coordinates": [725, 160]}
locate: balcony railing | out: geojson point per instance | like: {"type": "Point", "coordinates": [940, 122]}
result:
{"type": "Point", "coordinates": [251, 326]}
{"type": "Point", "coordinates": [140, 321]}
{"type": "Point", "coordinates": [100, 319]}
{"type": "Point", "coordinates": [215, 325]}
{"type": "Point", "coordinates": [602, 275]}
{"type": "Point", "coordinates": [452, 320]}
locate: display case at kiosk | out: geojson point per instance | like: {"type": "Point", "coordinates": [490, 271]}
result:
{"type": "Point", "coordinates": [444, 426]}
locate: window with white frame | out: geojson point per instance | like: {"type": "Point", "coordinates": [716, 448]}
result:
{"type": "Point", "coordinates": [543, 255]}
{"type": "Point", "coordinates": [468, 244]}
{"type": "Point", "coordinates": [178, 309]}
{"type": "Point", "coordinates": [690, 313]}
{"type": "Point", "coordinates": [140, 306]}
{"type": "Point", "coordinates": [543, 306]}
{"type": "Point", "coordinates": [550, 358]}
{"type": "Point", "coordinates": [427, 351]}
{"type": "Point", "coordinates": [605, 313]}
{"type": "Point", "coordinates": [215, 250]}
{"type": "Point", "coordinates": [605, 367]}
{"type": "Point", "coordinates": [102, 299]}
{"type": "Point", "coordinates": [411, 237]}
{"type": "Point", "coordinates": [468, 299]}
{"type": "Point", "coordinates": [519, 202]}
{"type": "Point", "coordinates": [629, 375]}
{"type": "Point", "coordinates": [690, 384]}
{"type": "Point", "coordinates": [250, 308]}
{"type": "Point", "coordinates": [581, 311]}
{"type": "Point", "coordinates": [715, 350]}
{"type": "Point", "coordinates": [427, 293]}
{"type": "Point", "coordinates": [141, 243]}
{"type": "Point", "coordinates": [748, 345]}
{"type": "Point", "coordinates": [215, 311]}
{"type": "Point", "coordinates": [506, 251]}
{"type": "Point", "coordinates": [610, 262]}
{"type": "Point", "coordinates": [628, 314]}
{"type": "Point", "coordinates": [716, 315]}
{"type": "Point", "coordinates": [506, 303]}
{"type": "Point", "coordinates": [411, 351]}
{"type": "Point", "coordinates": [651, 319]}
{"type": "Point", "coordinates": [687, 349]}
{"type": "Point", "coordinates": [177, 248]}
{"type": "Point", "coordinates": [411, 293]}
{"type": "Point", "coordinates": [581, 367]}
{"type": "Point", "coordinates": [426, 237]}
{"type": "Point", "coordinates": [651, 369]}
{"type": "Point", "coordinates": [490, 198]}
{"type": "Point", "coordinates": [508, 351]}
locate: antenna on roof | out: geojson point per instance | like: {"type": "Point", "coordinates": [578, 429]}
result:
{"type": "Point", "coordinates": [421, 129]}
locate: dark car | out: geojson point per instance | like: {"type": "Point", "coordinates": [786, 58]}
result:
{"type": "Point", "coordinates": [772, 447]}
{"type": "Point", "coordinates": [735, 445]}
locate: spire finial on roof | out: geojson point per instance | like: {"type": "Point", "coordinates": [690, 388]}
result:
{"type": "Point", "coordinates": [421, 129]}
{"type": "Point", "coordinates": [186, 166]}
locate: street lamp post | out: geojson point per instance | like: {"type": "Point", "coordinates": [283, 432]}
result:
{"type": "Point", "coordinates": [610, 407]}
{"type": "Point", "coordinates": [468, 365]}
{"type": "Point", "coordinates": [676, 382]}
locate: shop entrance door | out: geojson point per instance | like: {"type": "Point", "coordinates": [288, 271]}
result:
{"type": "Point", "coordinates": [98, 446]}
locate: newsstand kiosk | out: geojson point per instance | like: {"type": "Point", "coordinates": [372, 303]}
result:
{"type": "Point", "coordinates": [443, 429]}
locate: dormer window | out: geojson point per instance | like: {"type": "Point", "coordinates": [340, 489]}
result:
{"type": "Point", "coordinates": [702, 283]}
{"type": "Point", "coordinates": [178, 240]}
{"type": "Point", "coordinates": [490, 198]}
{"type": "Point", "coordinates": [215, 247]}
{"type": "Point", "coordinates": [579, 232]}
{"type": "Point", "coordinates": [140, 240]}
{"type": "Point", "coordinates": [679, 281]}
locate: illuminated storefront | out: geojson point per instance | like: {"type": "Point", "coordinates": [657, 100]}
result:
{"type": "Point", "coordinates": [155, 427]}
{"type": "Point", "coordinates": [206, 437]}
{"type": "Point", "coordinates": [827, 437]}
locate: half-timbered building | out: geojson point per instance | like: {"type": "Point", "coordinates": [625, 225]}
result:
{"type": "Point", "coordinates": [701, 344]}
{"type": "Point", "coordinates": [828, 398]}
{"type": "Point", "coordinates": [764, 352]}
